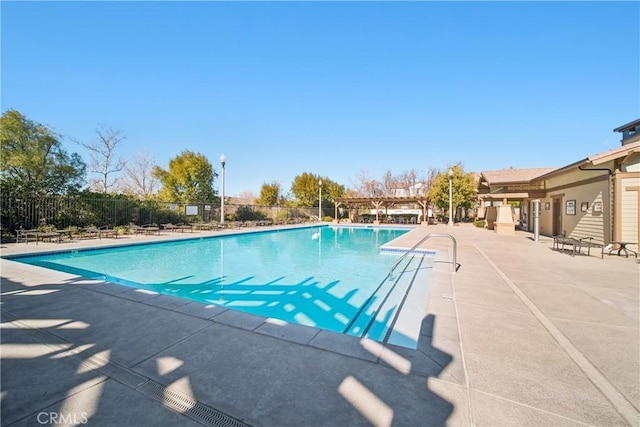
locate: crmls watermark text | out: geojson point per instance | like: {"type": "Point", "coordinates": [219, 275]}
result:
{"type": "Point", "coordinates": [53, 418]}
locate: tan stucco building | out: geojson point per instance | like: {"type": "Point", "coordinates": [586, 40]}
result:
{"type": "Point", "coordinates": [594, 197]}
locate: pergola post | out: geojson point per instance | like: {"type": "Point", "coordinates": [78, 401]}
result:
{"type": "Point", "coordinates": [424, 204]}
{"type": "Point", "coordinates": [335, 215]}
{"type": "Point", "coordinates": [376, 204]}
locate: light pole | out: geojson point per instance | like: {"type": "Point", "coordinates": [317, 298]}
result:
{"type": "Point", "coordinates": [223, 160]}
{"type": "Point", "coordinates": [450, 223]}
{"type": "Point", "coordinates": [320, 200]}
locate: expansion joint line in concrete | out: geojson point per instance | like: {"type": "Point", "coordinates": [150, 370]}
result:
{"type": "Point", "coordinates": [464, 363]}
{"type": "Point", "coordinates": [619, 402]}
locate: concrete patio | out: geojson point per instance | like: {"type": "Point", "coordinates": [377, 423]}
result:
{"type": "Point", "coordinates": [521, 335]}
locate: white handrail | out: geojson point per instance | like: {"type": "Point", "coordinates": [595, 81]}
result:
{"type": "Point", "coordinates": [455, 252]}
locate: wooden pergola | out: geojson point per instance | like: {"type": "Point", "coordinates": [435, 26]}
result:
{"type": "Point", "coordinates": [382, 202]}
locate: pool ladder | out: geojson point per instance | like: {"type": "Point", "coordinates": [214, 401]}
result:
{"type": "Point", "coordinates": [454, 263]}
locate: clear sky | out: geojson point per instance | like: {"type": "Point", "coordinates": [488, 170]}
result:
{"type": "Point", "coordinates": [330, 88]}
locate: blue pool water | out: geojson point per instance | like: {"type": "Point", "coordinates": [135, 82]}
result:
{"type": "Point", "coordinates": [328, 277]}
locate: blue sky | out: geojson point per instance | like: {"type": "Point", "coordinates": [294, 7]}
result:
{"type": "Point", "coordinates": [331, 88]}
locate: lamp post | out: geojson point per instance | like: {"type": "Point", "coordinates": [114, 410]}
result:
{"type": "Point", "coordinates": [450, 223]}
{"type": "Point", "coordinates": [223, 160]}
{"type": "Point", "coordinates": [320, 200]}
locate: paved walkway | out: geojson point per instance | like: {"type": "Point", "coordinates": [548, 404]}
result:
{"type": "Point", "coordinates": [520, 335]}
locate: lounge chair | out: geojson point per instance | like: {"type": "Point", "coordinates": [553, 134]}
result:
{"type": "Point", "coordinates": [135, 229]}
{"type": "Point", "coordinates": [107, 232]}
{"type": "Point", "coordinates": [100, 232]}
{"type": "Point", "coordinates": [37, 235]}
{"type": "Point", "coordinates": [183, 227]}
{"type": "Point", "coordinates": [150, 228]}
{"type": "Point", "coordinates": [145, 229]}
{"type": "Point", "coordinates": [213, 225]}
{"type": "Point", "coordinates": [70, 232]}
{"type": "Point", "coordinates": [573, 244]}
{"type": "Point", "coordinates": [169, 226]}
{"type": "Point", "coordinates": [176, 227]}
{"type": "Point", "coordinates": [588, 243]}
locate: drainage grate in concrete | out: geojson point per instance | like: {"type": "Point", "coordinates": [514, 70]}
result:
{"type": "Point", "coordinates": [171, 399]}
{"type": "Point", "coordinates": [188, 407]}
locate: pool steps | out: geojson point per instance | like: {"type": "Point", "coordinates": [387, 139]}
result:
{"type": "Point", "coordinates": [396, 308]}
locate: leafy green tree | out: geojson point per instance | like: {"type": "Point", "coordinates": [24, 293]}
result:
{"type": "Point", "coordinates": [270, 194]}
{"type": "Point", "coordinates": [33, 161]}
{"type": "Point", "coordinates": [306, 189]}
{"type": "Point", "coordinates": [463, 189]}
{"type": "Point", "coordinates": [189, 179]}
{"type": "Point", "coordinates": [330, 191]}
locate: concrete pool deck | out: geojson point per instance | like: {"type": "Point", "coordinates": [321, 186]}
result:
{"type": "Point", "coordinates": [520, 335]}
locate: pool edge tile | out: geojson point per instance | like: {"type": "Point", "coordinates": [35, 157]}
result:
{"type": "Point", "coordinates": [200, 309]}
{"type": "Point", "coordinates": [138, 295]}
{"type": "Point", "coordinates": [169, 302]}
{"type": "Point", "coordinates": [291, 332]}
{"type": "Point", "coordinates": [347, 345]}
{"type": "Point", "coordinates": [240, 319]}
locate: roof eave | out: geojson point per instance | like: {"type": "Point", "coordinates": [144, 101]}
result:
{"type": "Point", "coordinates": [613, 156]}
{"type": "Point", "coordinates": [627, 126]}
{"type": "Point", "coordinates": [562, 169]}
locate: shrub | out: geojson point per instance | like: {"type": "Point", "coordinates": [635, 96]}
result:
{"type": "Point", "coordinates": [245, 213]}
{"type": "Point", "coordinates": [479, 223]}
{"type": "Point", "coordinates": [7, 237]}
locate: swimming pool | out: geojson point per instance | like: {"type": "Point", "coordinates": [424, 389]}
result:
{"type": "Point", "coordinates": [328, 277]}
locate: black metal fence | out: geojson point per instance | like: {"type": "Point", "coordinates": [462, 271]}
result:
{"type": "Point", "coordinates": [62, 212]}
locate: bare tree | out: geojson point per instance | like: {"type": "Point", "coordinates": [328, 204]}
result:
{"type": "Point", "coordinates": [429, 180]}
{"type": "Point", "coordinates": [388, 184]}
{"type": "Point", "coordinates": [367, 186]}
{"type": "Point", "coordinates": [139, 176]}
{"type": "Point", "coordinates": [408, 181]}
{"type": "Point", "coordinates": [245, 198]}
{"type": "Point", "coordinates": [408, 184]}
{"type": "Point", "coordinates": [103, 161]}
{"type": "Point", "coordinates": [403, 185]}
